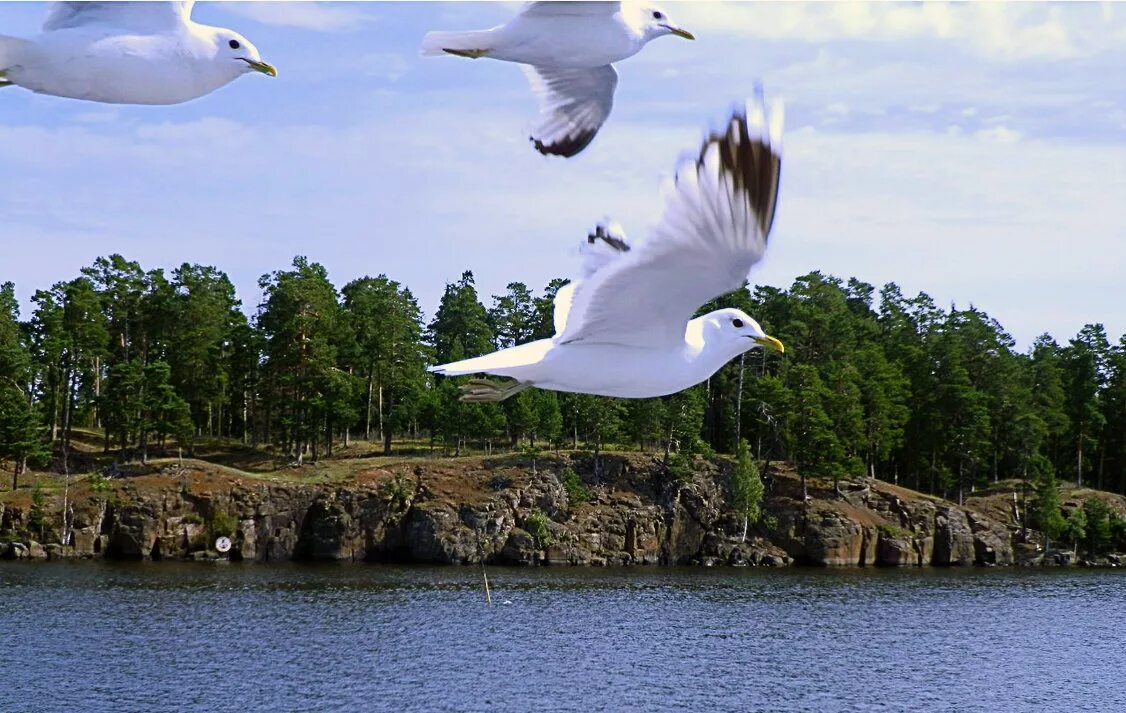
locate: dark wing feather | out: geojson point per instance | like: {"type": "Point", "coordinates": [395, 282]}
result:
{"type": "Point", "coordinates": [715, 226]}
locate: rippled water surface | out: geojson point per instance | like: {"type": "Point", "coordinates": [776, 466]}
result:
{"type": "Point", "coordinates": [198, 637]}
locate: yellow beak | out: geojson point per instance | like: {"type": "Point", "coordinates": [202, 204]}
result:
{"type": "Point", "coordinates": [263, 67]}
{"type": "Point", "coordinates": [771, 343]}
{"type": "Point", "coordinates": [681, 33]}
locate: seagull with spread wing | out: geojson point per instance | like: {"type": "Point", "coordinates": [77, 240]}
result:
{"type": "Point", "coordinates": [626, 328]}
{"type": "Point", "coordinates": [127, 53]}
{"type": "Point", "coordinates": [567, 50]}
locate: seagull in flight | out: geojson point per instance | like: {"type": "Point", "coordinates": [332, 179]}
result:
{"type": "Point", "coordinates": [127, 53]}
{"type": "Point", "coordinates": [567, 51]}
{"type": "Point", "coordinates": [626, 328]}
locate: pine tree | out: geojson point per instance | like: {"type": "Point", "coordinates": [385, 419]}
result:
{"type": "Point", "coordinates": [513, 316]}
{"type": "Point", "coordinates": [1085, 368]}
{"type": "Point", "coordinates": [747, 488]}
{"type": "Point", "coordinates": [1047, 509]}
{"type": "Point", "coordinates": [460, 330]}
{"type": "Point", "coordinates": [1098, 531]}
{"type": "Point", "coordinates": [386, 324]}
{"type": "Point", "coordinates": [20, 438]}
{"type": "Point", "coordinates": [204, 316]}
{"type": "Point", "coordinates": [301, 324]}
{"type": "Point", "coordinates": [812, 442]}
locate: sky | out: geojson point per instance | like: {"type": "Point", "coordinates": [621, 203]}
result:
{"type": "Point", "coordinates": [976, 152]}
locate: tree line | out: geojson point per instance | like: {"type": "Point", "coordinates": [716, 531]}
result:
{"type": "Point", "coordinates": [872, 382]}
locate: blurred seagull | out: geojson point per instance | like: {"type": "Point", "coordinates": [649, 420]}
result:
{"type": "Point", "coordinates": [625, 329]}
{"type": "Point", "coordinates": [566, 49]}
{"type": "Point", "coordinates": [127, 53]}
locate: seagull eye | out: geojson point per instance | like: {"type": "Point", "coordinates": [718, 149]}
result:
{"type": "Point", "coordinates": [737, 323]}
{"type": "Point", "coordinates": [658, 16]}
{"type": "Point", "coordinates": [234, 44]}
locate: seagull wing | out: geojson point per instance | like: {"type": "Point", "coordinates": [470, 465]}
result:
{"type": "Point", "coordinates": [142, 17]}
{"type": "Point", "coordinates": [573, 105]}
{"type": "Point", "coordinates": [718, 214]}
{"type": "Point", "coordinates": [605, 244]}
{"type": "Point", "coordinates": [545, 9]}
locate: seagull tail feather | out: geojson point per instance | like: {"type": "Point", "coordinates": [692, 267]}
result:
{"type": "Point", "coordinates": [474, 43]}
{"type": "Point", "coordinates": [10, 48]}
{"type": "Point", "coordinates": [511, 362]}
{"type": "Point", "coordinates": [485, 391]}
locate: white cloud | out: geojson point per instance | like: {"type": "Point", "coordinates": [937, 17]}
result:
{"type": "Point", "coordinates": [317, 16]}
{"type": "Point", "coordinates": [999, 134]}
{"type": "Point", "coordinates": [1018, 229]}
{"type": "Point", "coordinates": [995, 30]}
{"type": "Point", "coordinates": [386, 65]}
{"type": "Point", "coordinates": [1023, 230]}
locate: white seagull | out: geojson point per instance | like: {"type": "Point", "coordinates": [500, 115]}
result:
{"type": "Point", "coordinates": [127, 53]}
{"type": "Point", "coordinates": [566, 49]}
{"type": "Point", "coordinates": [626, 329]}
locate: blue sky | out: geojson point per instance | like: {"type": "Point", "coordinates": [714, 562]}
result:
{"type": "Point", "coordinates": [976, 152]}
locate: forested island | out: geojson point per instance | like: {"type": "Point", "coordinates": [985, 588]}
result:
{"type": "Point", "coordinates": [126, 387]}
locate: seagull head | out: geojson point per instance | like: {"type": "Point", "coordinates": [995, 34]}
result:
{"type": "Point", "coordinates": [734, 329]}
{"type": "Point", "coordinates": [240, 53]}
{"type": "Point", "coordinates": [655, 22]}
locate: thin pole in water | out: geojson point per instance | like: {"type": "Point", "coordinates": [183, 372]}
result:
{"type": "Point", "coordinates": [485, 574]}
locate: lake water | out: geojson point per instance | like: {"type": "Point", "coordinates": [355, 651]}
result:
{"type": "Point", "coordinates": [101, 637]}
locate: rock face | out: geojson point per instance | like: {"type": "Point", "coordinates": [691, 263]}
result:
{"type": "Point", "coordinates": [954, 541]}
{"type": "Point", "coordinates": [500, 511]}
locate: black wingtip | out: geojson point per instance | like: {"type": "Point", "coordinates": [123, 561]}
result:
{"type": "Point", "coordinates": [601, 232]}
{"type": "Point", "coordinates": [567, 148]}
{"type": "Point", "coordinates": [750, 160]}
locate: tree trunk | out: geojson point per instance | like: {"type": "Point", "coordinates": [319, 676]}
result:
{"type": "Point", "coordinates": [1079, 461]}
{"type": "Point", "coordinates": [367, 411]}
{"type": "Point", "coordinates": [386, 432]}
{"type": "Point", "coordinates": [66, 412]}
{"type": "Point", "coordinates": [381, 429]}
{"type": "Point", "coordinates": [55, 417]}
{"type": "Point", "coordinates": [739, 416]}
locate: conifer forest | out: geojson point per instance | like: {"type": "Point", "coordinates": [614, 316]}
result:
{"type": "Point", "coordinates": [873, 381]}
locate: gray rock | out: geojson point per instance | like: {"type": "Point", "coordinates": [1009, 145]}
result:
{"type": "Point", "coordinates": [896, 550]}
{"type": "Point", "coordinates": [953, 538]}
{"type": "Point", "coordinates": [992, 541]}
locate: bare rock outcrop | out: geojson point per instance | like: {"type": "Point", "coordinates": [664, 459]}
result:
{"type": "Point", "coordinates": [629, 510]}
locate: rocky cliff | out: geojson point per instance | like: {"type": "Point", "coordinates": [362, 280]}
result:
{"type": "Point", "coordinates": [505, 511]}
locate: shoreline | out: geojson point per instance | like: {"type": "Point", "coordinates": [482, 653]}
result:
{"type": "Point", "coordinates": [506, 511]}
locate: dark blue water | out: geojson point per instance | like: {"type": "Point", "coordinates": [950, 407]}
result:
{"type": "Point", "coordinates": [197, 637]}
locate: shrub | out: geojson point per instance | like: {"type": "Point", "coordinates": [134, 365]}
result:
{"type": "Point", "coordinates": [222, 525]}
{"type": "Point", "coordinates": [37, 516]}
{"type": "Point", "coordinates": [99, 483]}
{"type": "Point", "coordinates": [398, 490]}
{"type": "Point", "coordinates": [536, 525]}
{"type": "Point", "coordinates": [681, 467]}
{"type": "Point", "coordinates": [1099, 533]}
{"type": "Point", "coordinates": [894, 531]}
{"type": "Point", "coordinates": [577, 492]}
